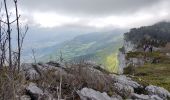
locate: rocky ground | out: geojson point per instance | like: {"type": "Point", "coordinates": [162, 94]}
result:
{"type": "Point", "coordinates": [82, 81]}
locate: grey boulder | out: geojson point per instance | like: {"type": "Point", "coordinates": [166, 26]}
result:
{"type": "Point", "coordinates": [161, 92]}
{"type": "Point", "coordinates": [90, 94]}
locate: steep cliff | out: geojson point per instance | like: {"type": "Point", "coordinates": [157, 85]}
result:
{"type": "Point", "coordinates": [127, 47]}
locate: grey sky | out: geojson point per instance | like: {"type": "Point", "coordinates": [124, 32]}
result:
{"type": "Point", "coordinates": [89, 7]}
{"type": "Point", "coordinates": [98, 14]}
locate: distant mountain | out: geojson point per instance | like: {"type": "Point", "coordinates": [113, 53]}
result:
{"type": "Point", "coordinates": [99, 47]}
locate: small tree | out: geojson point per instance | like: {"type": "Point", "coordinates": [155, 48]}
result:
{"type": "Point", "coordinates": [14, 57]}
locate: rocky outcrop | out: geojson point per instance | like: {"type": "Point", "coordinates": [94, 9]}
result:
{"type": "Point", "coordinates": [161, 92]}
{"type": "Point", "coordinates": [129, 46]}
{"type": "Point", "coordinates": [34, 71]}
{"type": "Point", "coordinates": [124, 80]}
{"type": "Point", "coordinates": [89, 82]}
{"type": "Point", "coordinates": [36, 93]}
{"type": "Point", "coordinates": [123, 90]}
{"type": "Point", "coordinates": [145, 97]}
{"type": "Point", "coordinates": [124, 86]}
{"type": "Point", "coordinates": [29, 71]}
{"type": "Point", "coordinates": [90, 94]}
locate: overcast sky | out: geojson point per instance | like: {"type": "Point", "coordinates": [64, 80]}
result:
{"type": "Point", "coordinates": [89, 14]}
{"type": "Point", "coordinates": [53, 21]}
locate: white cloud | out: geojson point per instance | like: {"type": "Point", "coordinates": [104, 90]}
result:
{"type": "Point", "coordinates": [51, 19]}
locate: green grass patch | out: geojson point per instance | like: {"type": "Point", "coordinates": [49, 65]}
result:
{"type": "Point", "coordinates": [137, 54]}
{"type": "Point", "coordinates": [155, 74]}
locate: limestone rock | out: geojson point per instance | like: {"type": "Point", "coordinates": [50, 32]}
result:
{"type": "Point", "coordinates": [161, 92]}
{"type": "Point", "coordinates": [122, 79]}
{"type": "Point", "coordinates": [129, 46]}
{"type": "Point", "coordinates": [29, 72]}
{"type": "Point", "coordinates": [90, 94]}
{"type": "Point", "coordinates": [145, 97]}
{"type": "Point", "coordinates": [34, 91]}
{"type": "Point", "coordinates": [123, 90]}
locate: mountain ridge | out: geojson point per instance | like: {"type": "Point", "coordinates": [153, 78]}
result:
{"type": "Point", "coordinates": [95, 47]}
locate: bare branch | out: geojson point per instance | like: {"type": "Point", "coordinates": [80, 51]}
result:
{"type": "Point", "coordinates": [10, 22]}
{"type": "Point", "coordinates": [15, 19]}
{"type": "Point", "coordinates": [3, 22]}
